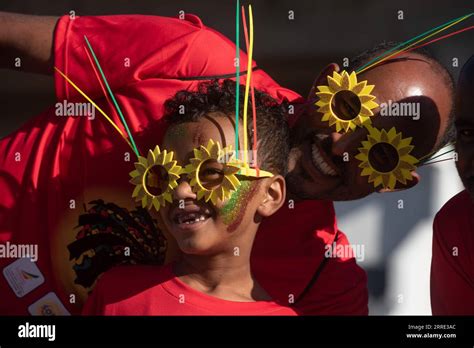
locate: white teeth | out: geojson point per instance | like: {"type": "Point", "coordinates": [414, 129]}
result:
{"type": "Point", "coordinates": [320, 163]}
{"type": "Point", "coordinates": [187, 219]}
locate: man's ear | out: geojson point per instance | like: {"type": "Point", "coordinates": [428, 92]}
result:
{"type": "Point", "coordinates": [274, 195]}
{"type": "Point", "coordinates": [400, 187]}
{"type": "Point", "coordinates": [322, 79]}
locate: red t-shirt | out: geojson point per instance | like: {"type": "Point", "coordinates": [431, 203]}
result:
{"type": "Point", "coordinates": [155, 290]}
{"type": "Point", "coordinates": [452, 265]}
{"type": "Point", "coordinates": [53, 166]}
{"type": "Point", "coordinates": [289, 254]}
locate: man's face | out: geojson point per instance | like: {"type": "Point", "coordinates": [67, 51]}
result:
{"type": "Point", "coordinates": [199, 227]}
{"type": "Point", "coordinates": [465, 126]}
{"type": "Point", "coordinates": [322, 161]}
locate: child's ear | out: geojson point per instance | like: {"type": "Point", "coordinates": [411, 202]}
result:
{"type": "Point", "coordinates": [274, 195]}
{"type": "Point", "coordinates": [400, 187]}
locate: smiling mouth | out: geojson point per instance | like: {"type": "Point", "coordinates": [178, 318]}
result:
{"type": "Point", "coordinates": [319, 157]}
{"type": "Point", "coordinates": [190, 218]}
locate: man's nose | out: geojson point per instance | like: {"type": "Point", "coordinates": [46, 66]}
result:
{"type": "Point", "coordinates": [183, 190]}
{"type": "Point", "coordinates": [347, 142]}
{"type": "Point", "coordinates": [338, 144]}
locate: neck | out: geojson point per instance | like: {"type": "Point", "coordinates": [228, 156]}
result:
{"type": "Point", "coordinates": [226, 275]}
{"type": "Point", "coordinates": [221, 270]}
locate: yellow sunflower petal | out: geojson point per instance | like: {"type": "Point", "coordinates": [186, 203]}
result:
{"type": "Point", "coordinates": [370, 104]}
{"type": "Point", "coordinates": [167, 197]}
{"type": "Point", "coordinates": [358, 88]}
{"type": "Point", "coordinates": [352, 80]}
{"type": "Point", "coordinates": [150, 157]}
{"type": "Point", "coordinates": [405, 142]}
{"type": "Point", "coordinates": [145, 201]}
{"type": "Point", "coordinates": [140, 168]}
{"type": "Point", "coordinates": [345, 80]}
{"type": "Point", "coordinates": [405, 150]}
{"type": "Point", "coordinates": [214, 151]}
{"type": "Point", "coordinates": [324, 108]}
{"type": "Point", "coordinates": [366, 98]}
{"type": "Point", "coordinates": [138, 191]}
{"type": "Point", "coordinates": [326, 117]}
{"type": "Point", "coordinates": [378, 180]}
{"type": "Point", "coordinates": [232, 179]}
{"type": "Point", "coordinates": [324, 98]}
{"type": "Point", "coordinates": [391, 181]}
{"type": "Point", "coordinates": [361, 157]}
{"type": "Point", "coordinates": [334, 84]}
{"type": "Point", "coordinates": [396, 140]}
{"type": "Point", "coordinates": [156, 203]}
{"type": "Point", "coordinates": [142, 160]}
{"type": "Point", "coordinates": [367, 89]}
{"type": "Point", "coordinates": [137, 180]}
{"type": "Point", "coordinates": [324, 89]}
{"type": "Point", "coordinates": [398, 173]}
{"type": "Point", "coordinates": [200, 194]}
{"type": "Point", "coordinates": [321, 103]}
{"type": "Point", "coordinates": [364, 111]}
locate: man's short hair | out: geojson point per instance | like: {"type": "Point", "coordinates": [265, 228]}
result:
{"type": "Point", "coordinates": [214, 96]}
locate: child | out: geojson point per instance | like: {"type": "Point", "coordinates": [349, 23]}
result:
{"type": "Point", "coordinates": [210, 209]}
{"type": "Point", "coordinates": [452, 267]}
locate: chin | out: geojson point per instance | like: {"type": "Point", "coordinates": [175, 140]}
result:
{"type": "Point", "coordinates": [194, 247]}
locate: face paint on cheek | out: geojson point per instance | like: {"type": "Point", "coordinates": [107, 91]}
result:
{"type": "Point", "coordinates": [233, 210]}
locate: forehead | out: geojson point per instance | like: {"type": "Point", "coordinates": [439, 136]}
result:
{"type": "Point", "coordinates": [411, 87]}
{"type": "Point", "coordinates": [182, 138]}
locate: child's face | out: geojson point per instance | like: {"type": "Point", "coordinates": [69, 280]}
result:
{"type": "Point", "coordinates": [465, 127]}
{"type": "Point", "coordinates": [200, 227]}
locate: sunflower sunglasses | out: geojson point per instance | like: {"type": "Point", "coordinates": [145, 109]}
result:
{"type": "Point", "coordinates": [347, 104]}
{"type": "Point", "coordinates": [212, 173]}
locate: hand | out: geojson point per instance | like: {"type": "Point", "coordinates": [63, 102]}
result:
{"type": "Point", "coordinates": [29, 38]}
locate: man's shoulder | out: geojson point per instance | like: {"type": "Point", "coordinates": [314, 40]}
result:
{"type": "Point", "coordinates": [456, 206]}
{"type": "Point", "coordinates": [454, 221]}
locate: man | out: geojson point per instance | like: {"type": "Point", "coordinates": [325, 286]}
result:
{"type": "Point", "coordinates": [452, 271]}
{"type": "Point", "coordinates": [292, 268]}
{"type": "Point", "coordinates": [414, 77]}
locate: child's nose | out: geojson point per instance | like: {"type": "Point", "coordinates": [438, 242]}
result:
{"type": "Point", "coordinates": [183, 190]}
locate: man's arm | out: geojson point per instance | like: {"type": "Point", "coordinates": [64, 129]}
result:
{"type": "Point", "coordinates": [29, 38]}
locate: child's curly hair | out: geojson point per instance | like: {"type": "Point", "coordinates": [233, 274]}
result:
{"type": "Point", "coordinates": [272, 126]}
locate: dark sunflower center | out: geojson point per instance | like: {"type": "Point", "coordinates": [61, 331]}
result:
{"type": "Point", "coordinates": [346, 105]}
{"type": "Point", "coordinates": [383, 157]}
{"type": "Point", "coordinates": [157, 180]}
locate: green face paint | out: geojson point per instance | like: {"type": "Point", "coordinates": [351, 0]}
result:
{"type": "Point", "coordinates": [233, 210]}
{"type": "Point", "coordinates": [177, 131]}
